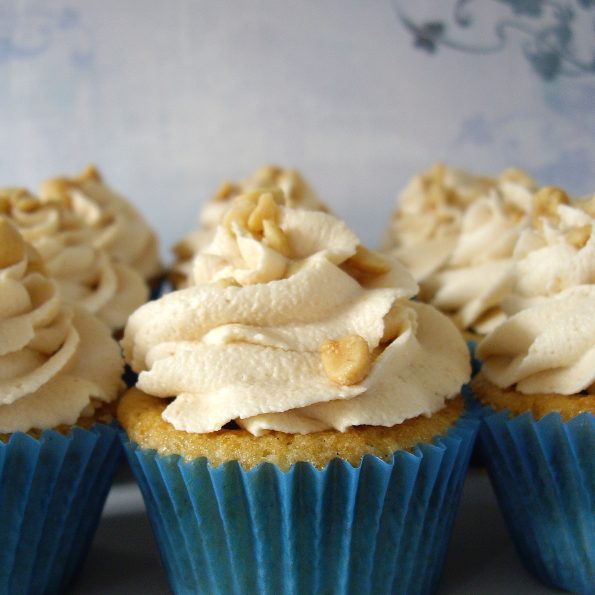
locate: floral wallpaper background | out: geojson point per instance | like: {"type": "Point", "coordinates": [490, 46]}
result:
{"type": "Point", "coordinates": [170, 98]}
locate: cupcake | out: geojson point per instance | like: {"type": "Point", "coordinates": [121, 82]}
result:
{"type": "Point", "coordinates": [59, 448]}
{"type": "Point", "coordinates": [297, 192]}
{"type": "Point", "coordinates": [297, 425]}
{"type": "Point", "coordinates": [537, 385]}
{"type": "Point", "coordinates": [117, 226]}
{"type": "Point", "coordinates": [86, 275]}
{"type": "Point", "coordinates": [456, 233]}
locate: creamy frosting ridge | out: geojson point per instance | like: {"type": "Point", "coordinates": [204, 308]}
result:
{"type": "Point", "coordinates": [547, 343]}
{"type": "Point", "coordinates": [86, 274]}
{"type": "Point", "coordinates": [57, 361]}
{"type": "Point", "coordinates": [247, 341]}
{"type": "Point", "coordinates": [296, 190]}
{"type": "Point", "coordinates": [116, 226]}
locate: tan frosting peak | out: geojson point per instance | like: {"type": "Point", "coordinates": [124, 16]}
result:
{"type": "Point", "coordinates": [117, 227]}
{"type": "Point", "coordinates": [56, 361]}
{"type": "Point", "coordinates": [547, 344]}
{"type": "Point", "coordinates": [296, 191]}
{"type": "Point", "coordinates": [293, 325]}
{"type": "Point", "coordinates": [547, 347]}
{"type": "Point", "coordinates": [85, 274]}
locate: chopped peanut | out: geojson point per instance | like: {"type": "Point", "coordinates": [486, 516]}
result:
{"type": "Point", "coordinates": [12, 245]}
{"type": "Point", "coordinates": [346, 360]}
{"type": "Point", "coordinates": [579, 236]}
{"type": "Point", "coordinates": [546, 201]}
{"type": "Point", "coordinates": [368, 261]}
{"type": "Point", "coordinates": [274, 237]}
{"type": "Point", "coordinates": [90, 173]}
{"type": "Point", "coordinates": [27, 204]}
{"type": "Point", "coordinates": [226, 191]}
{"type": "Point", "coordinates": [513, 174]}
{"type": "Point", "coordinates": [266, 209]}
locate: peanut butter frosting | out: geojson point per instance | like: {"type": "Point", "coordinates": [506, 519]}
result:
{"type": "Point", "coordinates": [57, 361]}
{"type": "Point", "coordinates": [547, 343]}
{"type": "Point", "coordinates": [297, 192]}
{"type": "Point", "coordinates": [117, 227]}
{"type": "Point", "coordinates": [86, 275]}
{"type": "Point", "coordinates": [292, 325]}
{"type": "Point", "coordinates": [426, 226]}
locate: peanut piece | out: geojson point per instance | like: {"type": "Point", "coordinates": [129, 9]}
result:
{"type": "Point", "coordinates": [90, 173]}
{"type": "Point", "coordinates": [545, 202]}
{"type": "Point", "coordinates": [513, 174]}
{"type": "Point", "coordinates": [27, 204]}
{"type": "Point", "coordinates": [266, 208]}
{"type": "Point", "coordinates": [346, 360]}
{"type": "Point", "coordinates": [12, 245]}
{"type": "Point", "coordinates": [578, 236]}
{"type": "Point", "coordinates": [226, 191]}
{"type": "Point", "coordinates": [368, 261]}
{"type": "Point", "coordinates": [274, 238]}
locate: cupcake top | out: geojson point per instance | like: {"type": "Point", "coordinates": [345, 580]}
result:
{"type": "Point", "coordinates": [547, 343]}
{"type": "Point", "coordinates": [86, 275]}
{"type": "Point", "coordinates": [58, 361]}
{"type": "Point", "coordinates": [463, 258]}
{"type": "Point", "coordinates": [427, 223]}
{"type": "Point", "coordinates": [117, 227]}
{"type": "Point", "coordinates": [296, 190]}
{"type": "Point", "coordinates": [292, 325]}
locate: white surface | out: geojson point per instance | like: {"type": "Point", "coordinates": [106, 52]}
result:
{"type": "Point", "coordinates": [481, 559]}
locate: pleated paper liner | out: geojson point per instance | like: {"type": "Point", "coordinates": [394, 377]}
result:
{"type": "Point", "coordinates": [380, 528]}
{"type": "Point", "coordinates": [52, 492]}
{"type": "Point", "coordinates": [543, 473]}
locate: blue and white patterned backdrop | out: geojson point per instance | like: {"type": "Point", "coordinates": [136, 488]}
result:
{"type": "Point", "coordinates": [171, 97]}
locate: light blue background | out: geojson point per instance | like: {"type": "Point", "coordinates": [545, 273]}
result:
{"type": "Point", "coordinates": [171, 97]}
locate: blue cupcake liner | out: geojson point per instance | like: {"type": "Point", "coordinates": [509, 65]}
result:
{"type": "Point", "coordinates": [543, 473]}
{"type": "Point", "coordinates": [382, 527]}
{"type": "Point", "coordinates": [52, 492]}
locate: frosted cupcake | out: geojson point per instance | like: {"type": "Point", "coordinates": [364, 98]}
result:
{"type": "Point", "coordinates": [296, 426]}
{"type": "Point", "coordinates": [86, 275]}
{"type": "Point", "coordinates": [538, 386]}
{"type": "Point", "coordinates": [425, 227]}
{"type": "Point", "coordinates": [60, 374]}
{"type": "Point", "coordinates": [296, 190]}
{"type": "Point", "coordinates": [117, 226]}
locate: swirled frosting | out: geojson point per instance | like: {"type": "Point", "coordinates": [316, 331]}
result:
{"type": "Point", "coordinates": [298, 194]}
{"type": "Point", "coordinates": [547, 344]}
{"type": "Point", "coordinates": [244, 343]}
{"type": "Point", "coordinates": [57, 361]}
{"type": "Point", "coordinates": [85, 274]}
{"type": "Point", "coordinates": [425, 228]}
{"type": "Point", "coordinates": [117, 227]}
{"type": "Point", "coordinates": [456, 233]}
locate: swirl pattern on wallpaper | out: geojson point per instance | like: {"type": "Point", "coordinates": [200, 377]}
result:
{"type": "Point", "coordinates": [547, 31]}
{"type": "Point", "coordinates": [29, 30]}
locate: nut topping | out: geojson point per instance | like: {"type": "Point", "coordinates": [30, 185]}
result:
{"type": "Point", "coordinates": [346, 360]}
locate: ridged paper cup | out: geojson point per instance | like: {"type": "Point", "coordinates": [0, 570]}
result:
{"type": "Point", "coordinates": [543, 473]}
{"type": "Point", "coordinates": [52, 492]}
{"type": "Point", "coordinates": [382, 527]}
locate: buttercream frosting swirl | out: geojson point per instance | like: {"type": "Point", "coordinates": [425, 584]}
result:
{"type": "Point", "coordinates": [57, 361]}
{"type": "Point", "coordinates": [427, 223]}
{"type": "Point", "coordinates": [547, 343]}
{"type": "Point", "coordinates": [244, 343]}
{"type": "Point", "coordinates": [117, 227]}
{"type": "Point", "coordinates": [297, 191]}
{"type": "Point", "coordinates": [86, 274]}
